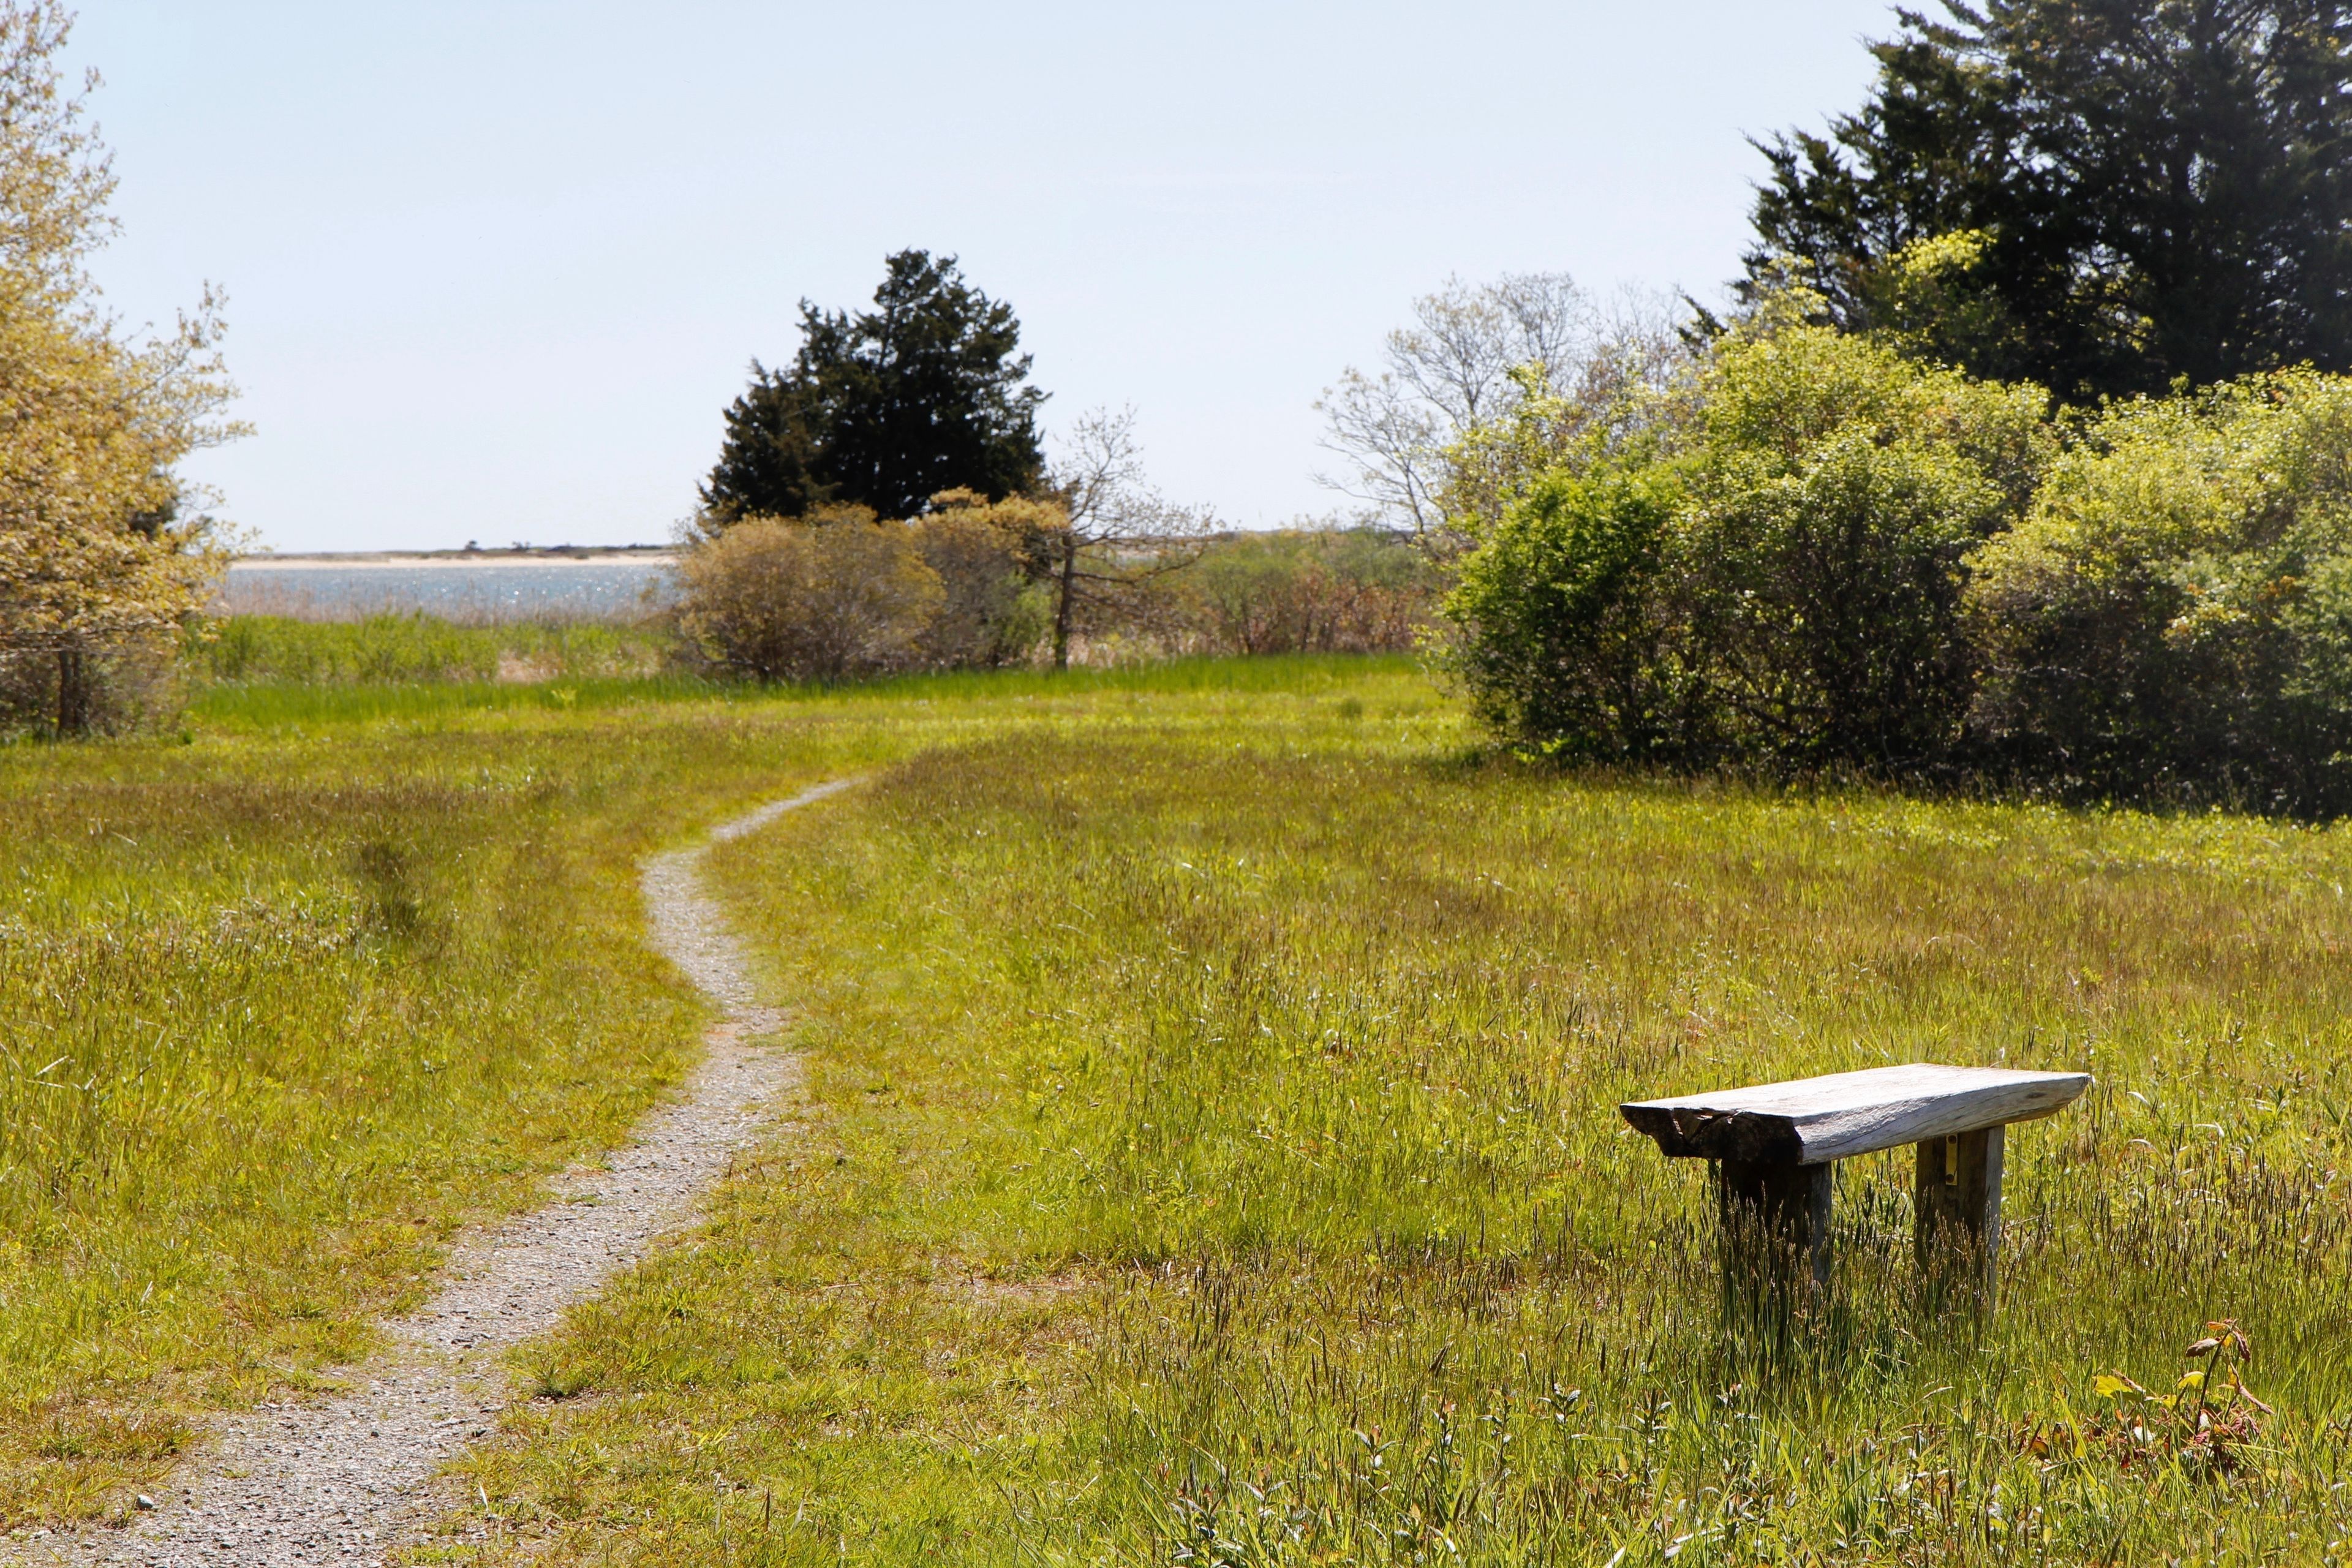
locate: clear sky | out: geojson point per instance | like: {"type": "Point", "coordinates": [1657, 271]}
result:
{"type": "Point", "coordinates": [495, 268]}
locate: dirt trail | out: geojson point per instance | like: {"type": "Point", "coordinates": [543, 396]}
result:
{"type": "Point", "coordinates": [341, 1481]}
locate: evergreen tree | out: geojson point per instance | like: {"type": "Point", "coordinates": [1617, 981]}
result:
{"type": "Point", "coordinates": [886, 408]}
{"type": "Point", "coordinates": [2101, 195]}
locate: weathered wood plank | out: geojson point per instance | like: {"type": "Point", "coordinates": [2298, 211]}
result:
{"type": "Point", "coordinates": [1812, 1120]}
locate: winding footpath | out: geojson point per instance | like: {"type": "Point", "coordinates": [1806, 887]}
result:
{"type": "Point", "coordinates": [345, 1480]}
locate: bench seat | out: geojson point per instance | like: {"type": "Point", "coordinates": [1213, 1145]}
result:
{"type": "Point", "coordinates": [1813, 1121]}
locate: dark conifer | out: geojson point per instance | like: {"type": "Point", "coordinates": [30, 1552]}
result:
{"type": "Point", "coordinates": [886, 408]}
{"type": "Point", "coordinates": [2163, 189]}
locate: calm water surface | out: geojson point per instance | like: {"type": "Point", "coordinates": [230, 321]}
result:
{"type": "Point", "coordinates": [492, 590]}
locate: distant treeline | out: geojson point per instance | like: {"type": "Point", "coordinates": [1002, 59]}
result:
{"type": "Point", "coordinates": [854, 597]}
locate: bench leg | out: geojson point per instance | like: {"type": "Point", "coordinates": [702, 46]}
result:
{"type": "Point", "coordinates": [1775, 1233]}
{"type": "Point", "coordinates": [1956, 1194]}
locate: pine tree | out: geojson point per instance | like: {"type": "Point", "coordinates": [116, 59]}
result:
{"type": "Point", "coordinates": [886, 408]}
{"type": "Point", "coordinates": [2145, 190]}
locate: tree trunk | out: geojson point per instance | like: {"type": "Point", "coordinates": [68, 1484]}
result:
{"type": "Point", "coordinates": [73, 691]}
{"type": "Point", "coordinates": [1063, 601]}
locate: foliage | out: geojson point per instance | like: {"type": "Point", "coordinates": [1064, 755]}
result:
{"type": "Point", "coordinates": [2174, 615]}
{"type": "Point", "coordinates": [101, 544]}
{"type": "Point", "coordinates": [885, 408]}
{"type": "Point", "coordinates": [2099, 198]}
{"type": "Point", "coordinates": [1774, 576]}
{"type": "Point", "coordinates": [1565, 645]}
{"type": "Point", "coordinates": [1833, 490]}
{"type": "Point", "coordinates": [777, 600]}
{"type": "Point", "coordinates": [1472, 361]}
{"type": "Point", "coordinates": [1308, 591]}
{"type": "Point", "coordinates": [991, 558]}
{"type": "Point", "coordinates": [1211, 1155]}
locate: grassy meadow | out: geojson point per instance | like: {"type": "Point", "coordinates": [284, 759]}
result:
{"type": "Point", "coordinates": [397, 648]}
{"type": "Point", "coordinates": [287, 996]}
{"type": "Point", "coordinates": [1212, 1156]}
{"type": "Point", "coordinates": [1217, 1163]}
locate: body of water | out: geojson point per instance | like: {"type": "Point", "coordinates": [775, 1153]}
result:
{"type": "Point", "coordinates": [496, 588]}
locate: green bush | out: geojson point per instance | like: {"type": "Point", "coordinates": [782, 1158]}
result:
{"type": "Point", "coordinates": [1566, 649]}
{"type": "Point", "coordinates": [1307, 591]}
{"type": "Point", "coordinates": [2174, 617]}
{"type": "Point", "coordinates": [1777, 580]}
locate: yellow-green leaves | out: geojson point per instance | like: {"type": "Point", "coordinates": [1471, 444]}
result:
{"type": "Point", "coordinates": [99, 540]}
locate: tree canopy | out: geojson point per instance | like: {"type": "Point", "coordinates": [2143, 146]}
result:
{"type": "Point", "coordinates": [100, 540]}
{"type": "Point", "coordinates": [2100, 196]}
{"type": "Point", "coordinates": [888, 407]}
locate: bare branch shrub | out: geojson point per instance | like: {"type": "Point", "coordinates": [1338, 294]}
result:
{"type": "Point", "coordinates": [1311, 591]}
{"type": "Point", "coordinates": [792, 601]}
{"type": "Point", "coordinates": [1119, 535]}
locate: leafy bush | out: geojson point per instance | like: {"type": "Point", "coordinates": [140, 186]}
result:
{"type": "Point", "coordinates": [776, 600]}
{"type": "Point", "coordinates": [2174, 615]}
{"type": "Point", "coordinates": [1308, 591]}
{"type": "Point", "coordinates": [1566, 649]}
{"type": "Point", "coordinates": [1834, 487]}
{"type": "Point", "coordinates": [988, 555]}
{"type": "Point", "coordinates": [1774, 576]}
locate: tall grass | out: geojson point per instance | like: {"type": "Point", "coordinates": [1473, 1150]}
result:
{"type": "Point", "coordinates": [395, 647]}
{"type": "Point", "coordinates": [1211, 1155]}
{"type": "Point", "coordinates": [275, 705]}
{"type": "Point", "coordinates": [277, 1013]}
{"type": "Point", "coordinates": [1215, 1162]}
{"type": "Point", "coordinates": [285, 999]}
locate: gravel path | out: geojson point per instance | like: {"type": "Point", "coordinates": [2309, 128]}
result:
{"type": "Point", "coordinates": [341, 1481]}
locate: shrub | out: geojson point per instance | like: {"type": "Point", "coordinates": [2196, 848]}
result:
{"type": "Point", "coordinates": [1308, 591]}
{"type": "Point", "coordinates": [1566, 649]}
{"type": "Point", "coordinates": [1821, 597]}
{"type": "Point", "coordinates": [2174, 615]}
{"type": "Point", "coordinates": [125, 683]}
{"type": "Point", "coordinates": [1775, 577]}
{"type": "Point", "coordinates": [776, 600]}
{"type": "Point", "coordinates": [989, 556]}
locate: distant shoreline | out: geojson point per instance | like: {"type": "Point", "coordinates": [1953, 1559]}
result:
{"type": "Point", "coordinates": [553, 555]}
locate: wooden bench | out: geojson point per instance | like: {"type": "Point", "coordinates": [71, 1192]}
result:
{"type": "Point", "coordinates": [1774, 1144]}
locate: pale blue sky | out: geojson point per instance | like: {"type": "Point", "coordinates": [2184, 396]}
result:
{"type": "Point", "coordinates": [496, 267]}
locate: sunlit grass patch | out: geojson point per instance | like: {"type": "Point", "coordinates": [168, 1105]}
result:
{"type": "Point", "coordinates": [285, 1001]}
{"type": "Point", "coordinates": [1279, 1053]}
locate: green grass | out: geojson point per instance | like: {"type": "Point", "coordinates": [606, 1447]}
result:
{"type": "Point", "coordinates": [285, 999]}
{"type": "Point", "coordinates": [402, 648]}
{"type": "Point", "coordinates": [1217, 1162]}
{"type": "Point", "coordinates": [277, 707]}
{"type": "Point", "coordinates": [1213, 1155]}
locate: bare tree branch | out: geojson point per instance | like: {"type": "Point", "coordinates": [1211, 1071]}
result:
{"type": "Point", "coordinates": [1121, 531]}
{"type": "Point", "coordinates": [1466, 362]}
